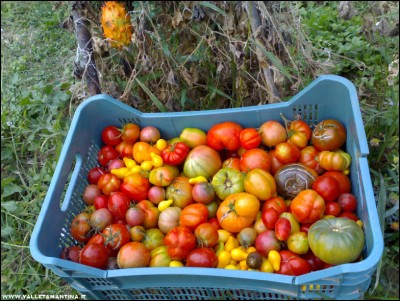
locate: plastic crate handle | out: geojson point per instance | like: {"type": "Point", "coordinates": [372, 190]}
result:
{"type": "Point", "coordinates": [72, 182]}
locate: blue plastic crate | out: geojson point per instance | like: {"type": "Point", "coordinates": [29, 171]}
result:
{"type": "Point", "coordinates": [328, 97]}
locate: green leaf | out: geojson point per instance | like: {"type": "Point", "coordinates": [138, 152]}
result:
{"type": "Point", "coordinates": [183, 98]}
{"type": "Point", "coordinates": [6, 231]}
{"type": "Point", "coordinates": [274, 59]}
{"type": "Point", "coordinates": [213, 7]}
{"type": "Point", "coordinates": [10, 189]}
{"type": "Point", "coordinates": [155, 100]}
{"type": "Point", "coordinates": [10, 206]}
{"type": "Point", "coordinates": [215, 90]}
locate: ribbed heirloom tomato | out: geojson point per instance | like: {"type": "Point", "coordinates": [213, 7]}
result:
{"type": "Point", "coordinates": [180, 241]}
{"type": "Point", "coordinates": [308, 206]}
{"type": "Point", "coordinates": [193, 215]}
{"type": "Point", "coordinates": [224, 135]}
{"type": "Point", "coordinates": [175, 154]}
{"type": "Point", "coordinates": [238, 211]}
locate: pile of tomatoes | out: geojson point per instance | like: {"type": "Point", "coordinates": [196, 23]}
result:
{"type": "Point", "coordinates": [272, 199]}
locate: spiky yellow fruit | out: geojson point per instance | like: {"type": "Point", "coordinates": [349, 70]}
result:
{"type": "Point", "coordinates": [116, 24]}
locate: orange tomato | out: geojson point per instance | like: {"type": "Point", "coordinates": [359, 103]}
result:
{"type": "Point", "coordinates": [308, 206]}
{"type": "Point", "coordinates": [142, 151]}
{"type": "Point", "coordinates": [260, 183]}
{"type": "Point", "coordinates": [238, 211]}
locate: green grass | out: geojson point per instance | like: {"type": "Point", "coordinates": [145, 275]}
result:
{"type": "Point", "coordinates": [37, 105]}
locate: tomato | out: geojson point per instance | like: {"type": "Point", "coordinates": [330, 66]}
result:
{"type": "Point", "coordinates": [343, 180]}
{"type": "Point", "coordinates": [94, 255]}
{"type": "Point", "coordinates": [305, 227]}
{"type": "Point", "coordinates": [212, 209]}
{"type": "Point", "coordinates": [137, 233]}
{"type": "Point", "coordinates": [298, 243]}
{"type": "Point", "coordinates": [308, 206]}
{"type": "Point", "coordinates": [118, 204]}
{"type": "Point", "coordinates": [90, 193]}
{"type": "Point", "coordinates": [71, 253]}
{"type": "Point", "coordinates": [94, 174]}
{"type": "Point", "coordinates": [206, 235]}
{"type": "Point", "coordinates": [260, 183]}
{"type": "Point", "coordinates": [332, 208]}
{"type": "Point", "coordinates": [272, 133]}
{"type": "Point", "coordinates": [247, 237]}
{"type": "Point", "coordinates": [203, 192]}
{"type": "Point", "coordinates": [213, 221]}
{"type": "Point", "coordinates": [80, 227]}
{"type": "Point", "coordinates": [299, 133]}
{"type": "Point", "coordinates": [316, 264]}
{"type": "Point", "coordinates": [309, 157]}
{"type": "Point", "coordinates": [269, 217]}
{"type": "Point", "coordinates": [151, 214]}
{"type": "Point", "coordinates": [130, 133]}
{"type": "Point", "coordinates": [150, 134]}
{"type": "Point", "coordinates": [163, 176]}
{"type": "Point", "coordinates": [336, 240]}
{"type": "Point", "coordinates": [282, 228]}
{"type": "Point", "coordinates": [233, 162]}
{"type": "Point", "coordinates": [224, 135]}
{"type": "Point", "coordinates": [175, 154]}
{"type": "Point", "coordinates": [347, 202]}
{"type": "Point", "coordinates": [202, 257]}
{"type": "Point", "coordinates": [109, 183]}
{"type": "Point", "coordinates": [153, 238]}
{"type": "Point", "coordinates": [255, 158]}
{"type": "Point", "coordinates": [124, 149]}
{"type": "Point", "coordinates": [327, 187]}
{"type": "Point", "coordinates": [193, 137]}
{"type": "Point", "coordinates": [275, 163]}
{"type": "Point", "coordinates": [168, 219]}
{"type": "Point", "coordinates": [100, 219]}
{"type": "Point", "coordinates": [238, 211]}
{"type": "Point", "coordinates": [115, 236]}
{"type": "Point", "coordinates": [136, 187]}
{"type": "Point", "coordinates": [349, 215]}
{"type": "Point", "coordinates": [106, 154]}
{"type": "Point", "coordinates": [227, 181]}
{"type": "Point", "coordinates": [276, 202]}
{"type": "Point", "coordinates": [142, 151]}
{"type": "Point", "coordinates": [133, 255]}
{"type": "Point", "coordinates": [292, 264]}
{"type": "Point", "coordinates": [338, 160]}
{"type": "Point", "coordinates": [159, 257]}
{"type": "Point", "coordinates": [287, 153]}
{"type": "Point", "coordinates": [328, 135]}
{"type": "Point", "coordinates": [179, 241]}
{"type": "Point", "coordinates": [156, 194]}
{"type": "Point", "coordinates": [267, 241]}
{"type": "Point", "coordinates": [180, 191]}
{"type": "Point", "coordinates": [111, 135]}
{"type": "Point", "coordinates": [134, 216]}
{"type": "Point", "coordinates": [294, 224]}
{"type": "Point", "coordinates": [193, 215]}
{"type": "Point", "coordinates": [249, 138]}
{"type": "Point", "coordinates": [202, 161]}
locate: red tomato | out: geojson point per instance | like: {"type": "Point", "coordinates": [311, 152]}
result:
{"type": "Point", "coordinates": [179, 241]}
{"type": "Point", "coordinates": [124, 149]}
{"type": "Point", "coordinates": [276, 202]}
{"type": "Point", "coordinates": [118, 204]}
{"type": "Point", "coordinates": [233, 162]}
{"type": "Point", "coordinates": [328, 135]}
{"type": "Point", "coordinates": [308, 206]}
{"type": "Point", "coordinates": [193, 215]}
{"type": "Point", "coordinates": [255, 158]}
{"type": "Point", "coordinates": [130, 133]}
{"type": "Point", "coordinates": [133, 255]}
{"type": "Point", "coordinates": [282, 228]}
{"type": "Point", "coordinates": [272, 133]}
{"type": "Point", "coordinates": [269, 217]}
{"type": "Point", "coordinates": [175, 154]}
{"type": "Point", "coordinates": [94, 174]}
{"type": "Point", "coordinates": [249, 138]}
{"type": "Point", "coordinates": [287, 153]}
{"type": "Point", "coordinates": [94, 255]}
{"type": "Point", "coordinates": [349, 215]}
{"type": "Point", "coordinates": [327, 187]}
{"type": "Point", "coordinates": [80, 227]}
{"type": "Point", "coordinates": [299, 133]}
{"type": "Point", "coordinates": [136, 187]}
{"type": "Point", "coordinates": [202, 257]}
{"type": "Point", "coordinates": [309, 157]}
{"type": "Point", "coordinates": [111, 135]}
{"type": "Point", "coordinates": [101, 201]}
{"type": "Point", "coordinates": [316, 264]}
{"type": "Point", "coordinates": [108, 183]}
{"type": "Point", "coordinates": [292, 264]}
{"type": "Point", "coordinates": [343, 180]}
{"type": "Point", "coordinates": [347, 202]}
{"type": "Point", "coordinates": [115, 236]}
{"type": "Point", "coordinates": [206, 235]}
{"type": "Point", "coordinates": [106, 154]}
{"type": "Point", "coordinates": [275, 163]}
{"type": "Point", "coordinates": [305, 227]}
{"type": "Point", "coordinates": [71, 253]}
{"type": "Point", "coordinates": [332, 208]}
{"type": "Point", "coordinates": [224, 135]}
{"type": "Point", "coordinates": [214, 221]}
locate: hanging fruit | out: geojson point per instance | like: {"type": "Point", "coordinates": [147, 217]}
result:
{"type": "Point", "coordinates": [116, 24]}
